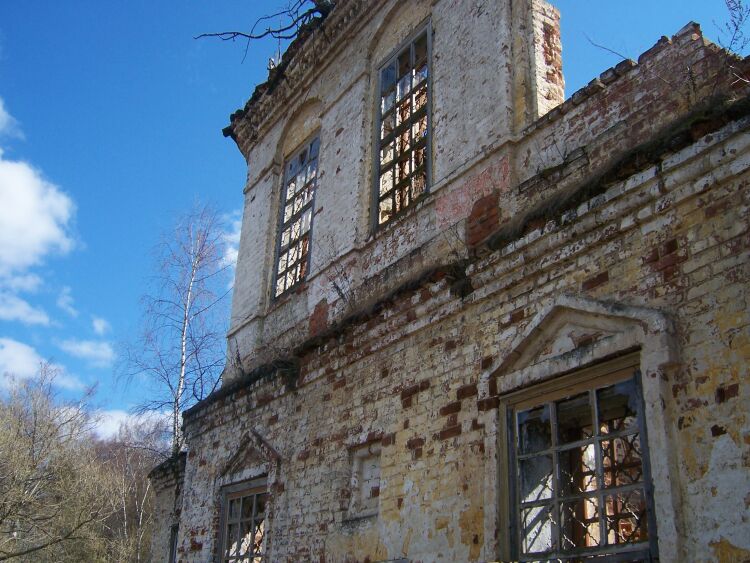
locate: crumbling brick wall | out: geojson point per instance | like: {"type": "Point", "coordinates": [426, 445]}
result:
{"type": "Point", "coordinates": [629, 200]}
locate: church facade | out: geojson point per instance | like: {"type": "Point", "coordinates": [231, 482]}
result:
{"type": "Point", "coordinates": [472, 320]}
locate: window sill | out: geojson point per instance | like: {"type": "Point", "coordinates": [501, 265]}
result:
{"type": "Point", "coordinates": [382, 230]}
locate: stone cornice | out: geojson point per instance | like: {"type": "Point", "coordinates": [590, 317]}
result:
{"type": "Point", "coordinates": [305, 57]}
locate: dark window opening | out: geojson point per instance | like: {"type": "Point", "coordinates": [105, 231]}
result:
{"type": "Point", "coordinates": [579, 475]}
{"type": "Point", "coordinates": [244, 527]}
{"type": "Point", "coordinates": [295, 218]}
{"type": "Point", "coordinates": [402, 156]}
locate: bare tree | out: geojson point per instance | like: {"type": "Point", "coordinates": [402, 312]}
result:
{"type": "Point", "coordinates": [736, 26]}
{"type": "Point", "coordinates": [129, 457]}
{"type": "Point", "coordinates": [181, 348]}
{"type": "Point", "coordinates": [52, 496]}
{"type": "Point", "coordinates": [294, 17]}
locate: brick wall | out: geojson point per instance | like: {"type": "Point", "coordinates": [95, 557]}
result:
{"type": "Point", "coordinates": [630, 195]}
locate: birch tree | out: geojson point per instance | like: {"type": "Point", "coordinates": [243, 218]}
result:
{"type": "Point", "coordinates": [180, 353]}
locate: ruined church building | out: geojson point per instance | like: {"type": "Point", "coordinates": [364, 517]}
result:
{"type": "Point", "coordinates": [472, 320]}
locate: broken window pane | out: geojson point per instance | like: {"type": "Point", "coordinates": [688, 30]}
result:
{"type": "Point", "coordinates": [418, 184]}
{"type": "Point", "coordinates": [622, 461]}
{"type": "Point", "coordinates": [386, 154]}
{"type": "Point", "coordinates": [617, 407]}
{"type": "Point", "coordinates": [578, 470]}
{"type": "Point", "coordinates": [385, 209]}
{"type": "Point", "coordinates": [403, 129]}
{"type": "Point", "coordinates": [536, 478]}
{"type": "Point", "coordinates": [387, 79]}
{"type": "Point", "coordinates": [536, 529]}
{"type": "Point", "coordinates": [626, 517]}
{"type": "Point", "coordinates": [296, 220]}
{"type": "Point", "coordinates": [574, 419]}
{"type": "Point", "coordinates": [386, 182]}
{"type": "Point", "coordinates": [581, 484]}
{"type": "Point", "coordinates": [534, 430]}
{"type": "Point", "coordinates": [244, 529]}
{"type": "Point", "coordinates": [388, 125]}
{"type": "Point", "coordinates": [579, 523]}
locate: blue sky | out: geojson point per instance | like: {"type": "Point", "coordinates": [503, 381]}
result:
{"type": "Point", "coordinates": [110, 127]}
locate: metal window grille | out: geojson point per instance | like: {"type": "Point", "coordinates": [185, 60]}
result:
{"type": "Point", "coordinates": [244, 526]}
{"type": "Point", "coordinates": [580, 476]}
{"type": "Point", "coordinates": [295, 218]}
{"type": "Point", "coordinates": [403, 129]}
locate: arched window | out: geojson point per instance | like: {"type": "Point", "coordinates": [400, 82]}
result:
{"type": "Point", "coordinates": [293, 238]}
{"type": "Point", "coordinates": [402, 145]}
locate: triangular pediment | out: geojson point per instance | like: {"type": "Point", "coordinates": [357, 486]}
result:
{"type": "Point", "coordinates": [564, 331]}
{"type": "Point", "coordinates": [572, 325]}
{"type": "Point", "coordinates": [253, 451]}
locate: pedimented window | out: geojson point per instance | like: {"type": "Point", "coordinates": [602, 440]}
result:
{"type": "Point", "coordinates": [578, 468]}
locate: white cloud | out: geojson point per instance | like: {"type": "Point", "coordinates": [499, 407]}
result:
{"type": "Point", "coordinates": [21, 361]}
{"type": "Point", "coordinates": [100, 325]}
{"type": "Point", "coordinates": [13, 308]}
{"type": "Point", "coordinates": [18, 359]}
{"type": "Point", "coordinates": [97, 353]}
{"type": "Point", "coordinates": [35, 221]}
{"type": "Point", "coordinates": [111, 420]}
{"type": "Point", "coordinates": [65, 301]}
{"type": "Point", "coordinates": [8, 125]}
{"type": "Point", "coordinates": [35, 217]}
{"type": "Point", "coordinates": [22, 282]}
{"type": "Point", "coordinates": [231, 239]}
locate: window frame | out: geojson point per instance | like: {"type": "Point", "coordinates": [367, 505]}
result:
{"type": "Point", "coordinates": [280, 223]}
{"type": "Point", "coordinates": [587, 379]}
{"type": "Point", "coordinates": [424, 27]}
{"type": "Point", "coordinates": [255, 486]}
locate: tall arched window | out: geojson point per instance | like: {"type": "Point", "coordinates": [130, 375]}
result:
{"type": "Point", "coordinates": [402, 145]}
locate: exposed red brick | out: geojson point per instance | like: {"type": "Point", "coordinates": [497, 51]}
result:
{"type": "Point", "coordinates": [339, 383]}
{"type": "Point", "coordinates": [388, 440]}
{"type": "Point", "coordinates": [273, 419]}
{"type": "Point", "coordinates": [374, 492]}
{"type": "Point", "coordinates": [668, 247]}
{"type": "Point", "coordinates": [466, 391]}
{"type": "Point", "coordinates": [483, 220]}
{"type": "Point", "coordinates": [414, 443]}
{"type": "Point", "coordinates": [595, 281]}
{"type": "Point", "coordinates": [450, 408]}
{"type": "Point", "coordinates": [414, 389]}
{"type": "Point", "coordinates": [488, 404]}
{"type": "Point", "coordinates": [451, 432]}
{"type": "Point", "coordinates": [195, 545]}
{"type": "Point", "coordinates": [728, 392]}
{"type": "Point", "coordinates": [493, 386]}
{"type": "Point", "coordinates": [476, 425]}
{"type": "Point", "coordinates": [303, 455]}
{"type": "Point", "coordinates": [319, 319]}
